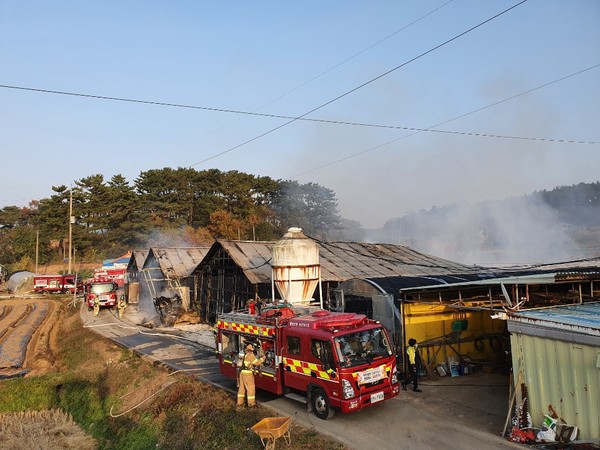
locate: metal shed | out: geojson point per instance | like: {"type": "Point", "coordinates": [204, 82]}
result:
{"type": "Point", "coordinates": [556, 356]}
{"type": "Point", "coordinates": [168, 271]}
{"type": "Point", "coordinates": [132, 278]}
{"type": "Point", "coordinates": [435, 314]}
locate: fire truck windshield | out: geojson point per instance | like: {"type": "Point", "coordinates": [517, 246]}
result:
{"type": "Point", "coordinates": [362, 347]}
{"type": "Point", "coordinates": [102, 288]}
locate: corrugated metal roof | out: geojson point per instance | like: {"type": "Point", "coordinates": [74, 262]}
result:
{"type": "Point", "coordinates": [572, 323]}
{"type": "Point", "coordinates": [341, 261]}
{"type": "Point", "coordinates": [394, 285]}
{"type": "Point", "coordinates": [177, 262]}
{"type": "Point", "coordinates": [568, 265]}
{"type": "Point", "coordinates": [253, 257]}
{"type": "Point", "coordinates": [138, 257]}
{"type": "Point", "coordinates": [448, 282]}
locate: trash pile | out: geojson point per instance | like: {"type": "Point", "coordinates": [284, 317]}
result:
{"type": "Point", "coordinates": [550, 431]}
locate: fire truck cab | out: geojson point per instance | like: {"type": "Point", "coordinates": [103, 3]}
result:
{"type": "Point", "coordinates": [331, 361]}
{"type": "Point", "coordinates": [104, 290]}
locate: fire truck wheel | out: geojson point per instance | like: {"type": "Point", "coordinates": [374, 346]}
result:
{"type": "Point", "coordinates": [320, 404]}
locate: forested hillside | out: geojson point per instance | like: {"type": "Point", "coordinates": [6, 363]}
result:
{"type": "Point", "coordinates": [185, 207]}
{"type": "Point", "coordinates": [557, 225]}
{"type": "Point", "coordinates": [175, 207]}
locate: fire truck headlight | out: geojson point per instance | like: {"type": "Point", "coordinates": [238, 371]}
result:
{"type": "Point", "coordinates": [395, 375]}
{"type": "Point", "coordinates": [347, 389]}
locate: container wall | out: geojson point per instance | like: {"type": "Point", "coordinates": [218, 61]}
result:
{"type": "Point", "coordinates": [562, 380]}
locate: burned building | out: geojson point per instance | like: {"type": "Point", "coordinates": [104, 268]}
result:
{"type": "Point", "coordinates": [167, 277]}
{"type": "Point", "coordinates": [235, 271]}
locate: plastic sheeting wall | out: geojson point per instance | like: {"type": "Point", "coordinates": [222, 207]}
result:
{"type": "Point", "coordinates": [561, 377]}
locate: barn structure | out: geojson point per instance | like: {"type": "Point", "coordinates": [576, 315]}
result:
{"type": "Point", "coordinates": [132, 278]}
{"type": "Point", "coordinates": [235, 271]}
{"type": "Point", "coordinates": [167, 274]}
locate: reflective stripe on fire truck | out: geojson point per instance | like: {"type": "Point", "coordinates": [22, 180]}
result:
{"type": "Point", "coordinates": [246, 328]}
{"type": "Point", "coordinates": [305, 368]}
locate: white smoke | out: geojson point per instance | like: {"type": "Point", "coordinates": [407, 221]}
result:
{"type": "Point", "coordinates": [516, 231]}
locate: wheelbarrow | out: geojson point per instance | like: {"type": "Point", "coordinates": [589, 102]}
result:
{"type": "Point", "coordinates": [270, 429]}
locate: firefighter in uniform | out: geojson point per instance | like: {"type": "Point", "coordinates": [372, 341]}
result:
{"type": "Point", "coordinates": [246, 366]}
{"type": "Point", "coordinates": [96, 305]}
{"type": "Point", "coordinates": [121, 305]}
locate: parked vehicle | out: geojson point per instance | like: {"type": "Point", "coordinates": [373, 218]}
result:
{"type": "Point", "coordinates": [102, 290]}
{"type": "Point", "coordinates": [57, 284]}
{"type": "Point", "coordinates": [328, 360]}
{"type": "Point", "coordinates": [115, 274]}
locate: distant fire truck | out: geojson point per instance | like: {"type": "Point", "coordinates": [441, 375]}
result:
{"type": "Point", "coordinates": [328, 360]}
{"type": "Point", "coordinates": [57, 284]}
{"type": "Point", "coordinates": [116, 274]}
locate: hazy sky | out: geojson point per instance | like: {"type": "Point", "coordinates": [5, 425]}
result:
{"type": "Point", "coordinates": [248, 56]}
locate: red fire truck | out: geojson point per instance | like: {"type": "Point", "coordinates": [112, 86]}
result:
{"type": "Point", "coordinates": [56, 284]}
{"type": "Point", "coordinates": [328, 360]}
{"type": "Point", "coordinates": [116, 274]}
{"type": "Point", "coordinates": [103, 289]}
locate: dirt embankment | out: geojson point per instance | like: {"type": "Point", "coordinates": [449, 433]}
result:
{"type": "Point", "coordinates": [117, 399]}
{"type": "Point", "coordinates": [28, 336]}
{"type": "Point", "coordinates": [29, 347]}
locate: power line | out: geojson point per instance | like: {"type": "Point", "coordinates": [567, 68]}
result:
{"type": "Point", "coordinates": [416, 130]}
{"type": "Point", "coordinates": [303, 116]}
{"type": "Point", "coordinates": [362, 85]}
{"type": "Point", "coordinates": [305, 83]}
{"type": "Point", "coordinates": [359, 53]}
{"type": "Point", "coordinates": [342, 122]}
{"type": "Point", "coordinates": [464, 133]}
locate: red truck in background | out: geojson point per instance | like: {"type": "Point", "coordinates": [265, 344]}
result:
{"type": "Point", "coordinates": [114, 274]}
{"type": "Point", "coordinates": [57, 284]}
{"type": "Point", "coordinates": [328, 360]}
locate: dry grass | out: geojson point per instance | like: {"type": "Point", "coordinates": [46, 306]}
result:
{"type": "Point", "coordinates": [53, 429]}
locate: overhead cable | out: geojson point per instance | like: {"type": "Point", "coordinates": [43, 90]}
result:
{"type": "Point", "coordinates": [293, 119]}
{"type": "Point", "coordinates": [464, 133]}
{"type": "Point", "coordinates": [304, 83]}
{"type": "Point", "coordinates": [360, 86]}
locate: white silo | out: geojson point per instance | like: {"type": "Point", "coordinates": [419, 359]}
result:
{"type": "Point", "coordinates": [296, 268]}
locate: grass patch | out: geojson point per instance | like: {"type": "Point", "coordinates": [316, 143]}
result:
{"type": "Point", "coordinates": [123, 402]}
{"type": "Point", "coordinates": [25, 394]}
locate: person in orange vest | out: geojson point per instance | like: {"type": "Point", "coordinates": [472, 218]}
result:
{"type": "Point", "coordinates": [246, 366]}
{"type": "Point", "coordinates": [414, 364]}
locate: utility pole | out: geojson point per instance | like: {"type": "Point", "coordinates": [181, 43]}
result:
{"type": "Point", "coordinates": [37, 248]}
{"type": "Point", "coordinates": [70, 227]}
